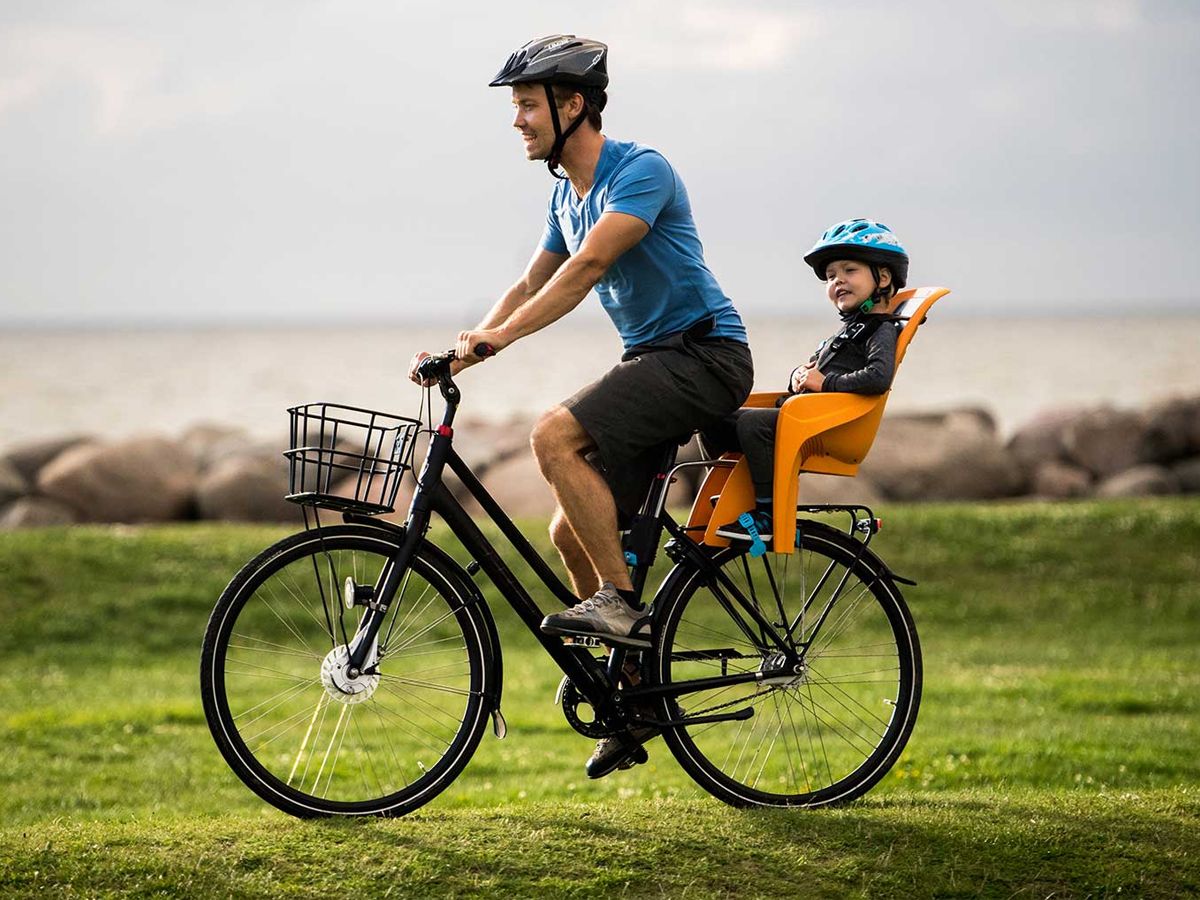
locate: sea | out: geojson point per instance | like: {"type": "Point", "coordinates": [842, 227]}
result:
{"type": "Point", "coordinates": [116, 383]}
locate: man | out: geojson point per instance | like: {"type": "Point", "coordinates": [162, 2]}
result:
{"type": "Point", "coordinates": [619, 221]}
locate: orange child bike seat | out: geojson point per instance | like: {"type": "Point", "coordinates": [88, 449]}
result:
{"type": "Point", "coordinates": [822, 433]}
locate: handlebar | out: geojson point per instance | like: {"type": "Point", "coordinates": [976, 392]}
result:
{"type": "Point", "coordinates": [438, 365]}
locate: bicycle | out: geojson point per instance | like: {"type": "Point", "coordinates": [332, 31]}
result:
{"type": "Point", "coordinates": [351, 669]}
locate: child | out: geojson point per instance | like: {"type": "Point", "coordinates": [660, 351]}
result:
{"type": "Point", "coordinates": [863, 265]}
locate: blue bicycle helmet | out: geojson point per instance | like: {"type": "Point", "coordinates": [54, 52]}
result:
{"type": "Point", "coordinates": [865, 241]}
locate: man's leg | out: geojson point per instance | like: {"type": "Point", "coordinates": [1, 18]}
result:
{"type": "Point", "coordinates": [579, 567]}
{"type": "Point", "coordinates": [559, 444]}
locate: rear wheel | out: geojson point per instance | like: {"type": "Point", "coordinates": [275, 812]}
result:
{"type": "Point", "coordinates": [281, 703]}
{"type": "Point", "coordinates": [822, 735]}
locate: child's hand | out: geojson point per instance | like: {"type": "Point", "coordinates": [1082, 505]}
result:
{"type": "Point", "coordinates": [807, 379]}
{"type": "Point", "coordinates": [798, 375]}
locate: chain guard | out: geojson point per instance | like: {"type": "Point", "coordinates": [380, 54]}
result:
{"type": "Point", "coordinates": [571, 700]}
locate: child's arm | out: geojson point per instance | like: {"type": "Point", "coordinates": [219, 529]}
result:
{"type": "Point", "coordinates": [873, 378]}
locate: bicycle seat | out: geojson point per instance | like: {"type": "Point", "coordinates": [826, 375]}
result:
{"type": "Point", "coordinates": [829, 434]}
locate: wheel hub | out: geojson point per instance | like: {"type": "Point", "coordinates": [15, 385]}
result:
{"type": "Point", "coordinates": [339, 684]}
{"type": "Point", "coordinates": [778, 671]}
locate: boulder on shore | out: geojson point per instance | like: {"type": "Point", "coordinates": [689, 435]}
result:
{"type": "Point", "coordinates": [210, 444]}
{"type": "Point", "coordinates": [1188, 474]}
{"type": "Point", "coordinates": [1041, 439]}
{"type": "Point", "coordinates": [817, 490]}
{"type": "Point", "coordinates": [518, 486]}
{"type": "Point", "coordinates": [1105, 441]}
{"type": "Point", "coordinates": [35, 512]}
{"type": "Point", "coordinates": [148, 479]}
{"type": "Point", "coordinates": [1171, 430]}
{"type": "Point", "coordinates": [1059, 480]}
{"type": "Point", "coordinates": [246, 489]}
{"type": "Point", "coordinates": [12, 485]}
{"type": "Point", "coordinates": [29, 458]}
{"type": "Point", "coordinates": [947, 456]}
{"type": "Point", "coordinates": [1139, 481]}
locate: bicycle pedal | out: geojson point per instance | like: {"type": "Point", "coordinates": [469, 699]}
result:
{"type": "Point", "coordinates": [582, 640]}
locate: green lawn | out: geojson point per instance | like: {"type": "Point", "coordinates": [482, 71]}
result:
{"type": "Point", "coordinates": [1055, 753]}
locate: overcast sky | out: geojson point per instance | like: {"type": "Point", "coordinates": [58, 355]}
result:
{"type": "Point", "coordinates": [167, 162]}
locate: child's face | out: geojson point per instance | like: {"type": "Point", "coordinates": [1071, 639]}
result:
{"type": "Point", "coordinates": [849, 282]}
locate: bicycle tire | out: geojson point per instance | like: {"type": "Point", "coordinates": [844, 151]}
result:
{"type": "Point", "coordinates": [270, 701]}
{"type": "Point", "coordinates": [821, 738]}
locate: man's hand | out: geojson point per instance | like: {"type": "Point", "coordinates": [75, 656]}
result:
{"type": "Point", "coordinates": [455, 368]}
{"type": "Point", "coordinates": [464, 349]}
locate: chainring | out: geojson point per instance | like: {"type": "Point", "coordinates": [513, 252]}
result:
{"type": "Point", "coordinates": [571, 700]}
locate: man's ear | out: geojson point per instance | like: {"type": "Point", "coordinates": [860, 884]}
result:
{"type": "Point", "coordinates": [575, 106]}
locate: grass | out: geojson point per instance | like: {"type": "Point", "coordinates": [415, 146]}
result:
{"type": "Point", "coordinates": [1055, 751]}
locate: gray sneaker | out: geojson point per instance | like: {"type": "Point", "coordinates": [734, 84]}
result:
{"type": "Point", "coordinates": [603, 615]}
{"type": "Point", "coordinates": [610, 754]}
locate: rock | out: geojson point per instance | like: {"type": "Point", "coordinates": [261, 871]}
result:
{"type": "Point", "coordinates": [1187, 473]}
{"type": "Point", "coordinates": [29, 459]}
{"type": "Point", "coordinates": [485, 444]}
{"type": "Point", "coordinates": [246, 489]}
{"type": "Point", "coordinates": [819, 489]}
{"type": "Point", "coordinates": [947, 456]}
{"type": "Point", "coordinates": [518, 487]}
{"type": "Point", "coordinates": [1059, 480]}
{"type": "Point", "coordinates": [210, 444]}
{"type": "Point", "coordinates": [1172, 430]}
{"type": "Point", "coordinates": [12, 485]}
{"type": "Point", "coordinates": [148, 479]}
{"type": "Point", "coordinates": [1139, 481]}
{"type": "Point", "coordinates": [1041, 439]}
{"type": "Point", "coordinates": [1105, 441]}
{"type": "Point", "coordinates": [35, 512]}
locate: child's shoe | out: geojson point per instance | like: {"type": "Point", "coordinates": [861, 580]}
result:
{"type": "Point", "coordinates": [736, 531]}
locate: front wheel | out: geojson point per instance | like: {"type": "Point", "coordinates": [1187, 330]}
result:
{"type": "Point", "coordinates": [821, 731]}
{"type": "Point", "coordinates": [283, 708]}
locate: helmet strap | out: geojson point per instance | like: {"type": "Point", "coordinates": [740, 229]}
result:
{"type": "Point", "coordinates": [560, 136]}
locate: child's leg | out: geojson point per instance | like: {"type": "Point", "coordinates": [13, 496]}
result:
{"type": "Point", "coordinates": [756, 435]}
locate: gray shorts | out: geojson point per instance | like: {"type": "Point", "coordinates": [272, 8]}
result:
{"type": "Point", "coordinates": [654, 396]}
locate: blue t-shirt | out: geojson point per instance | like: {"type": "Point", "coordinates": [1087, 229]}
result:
{"type": "Point", "coordinates": [661, 285]}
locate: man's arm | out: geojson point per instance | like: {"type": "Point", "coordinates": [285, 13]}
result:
{"type": "Point", "coordinates": [542, 265]}
{"type": "Point", "coordinates": [612, 235]}
{"type": "Point", "coordinates": [541, 268]}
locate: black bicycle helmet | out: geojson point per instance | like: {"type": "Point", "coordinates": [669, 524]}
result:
{"type": "Point", "coordinates": [560, 59]}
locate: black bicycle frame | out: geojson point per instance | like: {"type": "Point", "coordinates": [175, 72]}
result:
{"type": "Point", "coordinates": [594, 680]}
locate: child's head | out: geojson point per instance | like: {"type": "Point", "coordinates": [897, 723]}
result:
{"type": "Point", "coordinates": [862, 264]}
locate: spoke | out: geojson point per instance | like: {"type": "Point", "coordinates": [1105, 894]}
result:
{"type": "Point", "coordinates": [304, 743]}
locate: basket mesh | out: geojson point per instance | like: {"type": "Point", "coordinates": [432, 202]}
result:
{"type": "Point", "coordinates": [346, 458]}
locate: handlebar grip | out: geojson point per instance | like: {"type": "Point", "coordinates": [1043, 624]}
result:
{"type": "Point", "coordinates": [483, 351]}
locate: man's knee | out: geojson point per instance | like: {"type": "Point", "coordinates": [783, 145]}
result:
{"type": "Point", "coordinates": [557, 433]}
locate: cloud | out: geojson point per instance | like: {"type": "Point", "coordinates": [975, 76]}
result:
{"type": "Point", "coordinates": [708, 36]}
{"type": "Point", "coordinates": [1112, 16]}
{"type": "Point", "coordinates": [127, 79]}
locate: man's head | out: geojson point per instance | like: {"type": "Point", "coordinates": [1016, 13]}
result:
{"type": "Point", "coordinates": [532, 117]}
{"type": "Point", "coordinates": [570, 74]}
{"type": "Point", "coordinates": [860, 261]}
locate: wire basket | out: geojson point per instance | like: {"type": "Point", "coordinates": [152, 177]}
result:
{"type": "Point", "coordinates": [348, 459]}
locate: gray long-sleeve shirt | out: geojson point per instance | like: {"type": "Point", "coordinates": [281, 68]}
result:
{"type": "Point", "coordinates": [861, 358]}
